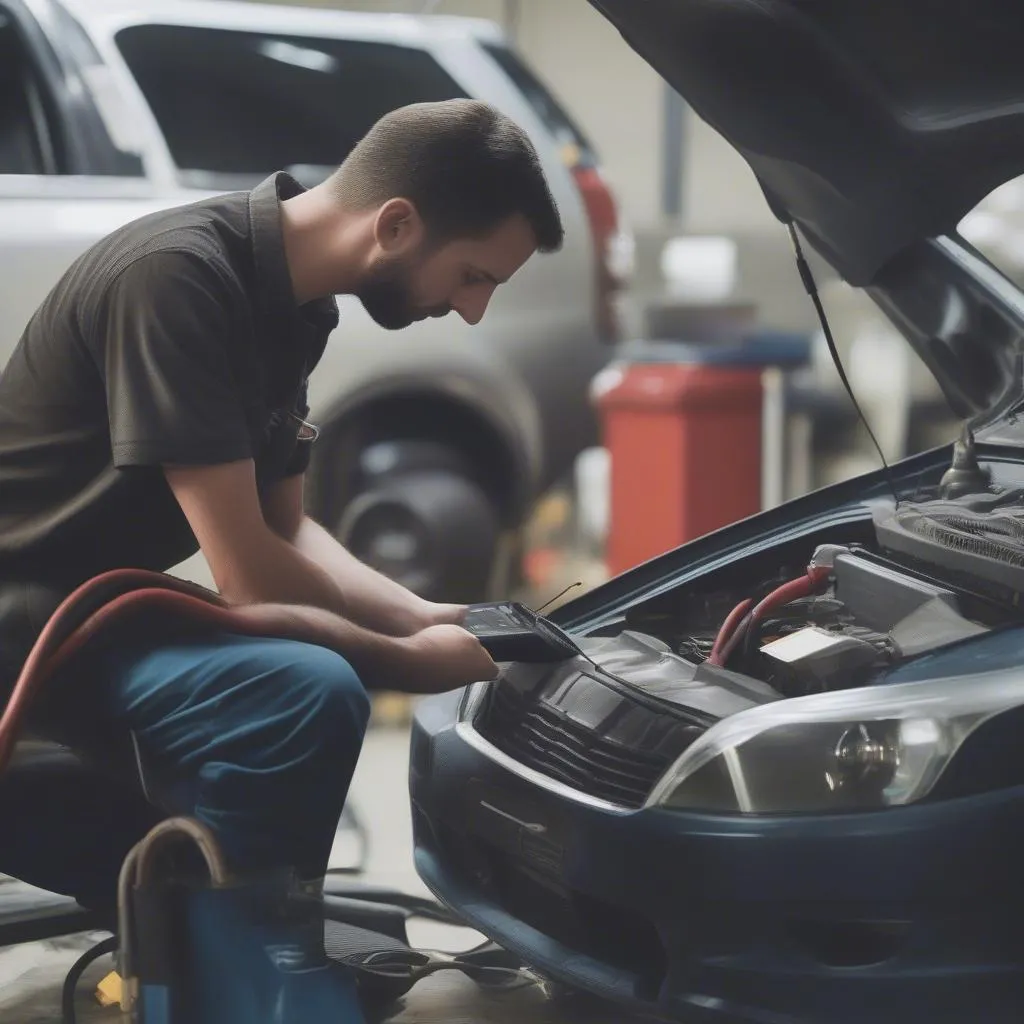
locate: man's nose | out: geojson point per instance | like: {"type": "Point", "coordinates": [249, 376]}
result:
{"type": "Point", "coordinates": [472, 306]}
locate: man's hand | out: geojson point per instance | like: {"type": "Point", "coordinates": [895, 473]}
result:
{"type": "Point", "coordinates": [430, 613]}
{"type": "Point", "coordinates": [442, 658]}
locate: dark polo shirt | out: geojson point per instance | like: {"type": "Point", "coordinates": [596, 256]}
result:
{"type": "Point", "coordinates": [174, 340]}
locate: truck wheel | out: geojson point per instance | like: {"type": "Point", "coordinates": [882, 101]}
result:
{"type": "Point", "coordinates": [432, 530]}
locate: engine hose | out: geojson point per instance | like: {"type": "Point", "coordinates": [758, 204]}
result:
{"type": "Point", "coordinates": [104, 600]}
{"type": "Point", "coordinates": [817, 576]}
{"type": "Point", "coordinates": [731, 622]}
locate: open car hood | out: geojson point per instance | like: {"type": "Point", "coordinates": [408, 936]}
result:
{"type": "Point", "coordinates": [874, 127]}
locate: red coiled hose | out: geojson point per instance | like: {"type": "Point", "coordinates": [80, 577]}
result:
{"type": "Point", "coordinates": [119, 592]}
{"type": "Point", "coordinates": [731, 622]}
{"type": "Point", "coordinates": [737, 625]}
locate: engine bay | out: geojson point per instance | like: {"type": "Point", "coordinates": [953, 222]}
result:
{"type": "Point", "coordinates": [835, 610]}
{"type": "Point", "coordinates": [855, 614]}
{"type": "Point", "coordinates": [923, 574]}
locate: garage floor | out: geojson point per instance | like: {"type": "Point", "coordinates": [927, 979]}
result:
{"type": "Point", "coordinates": [31, 976]}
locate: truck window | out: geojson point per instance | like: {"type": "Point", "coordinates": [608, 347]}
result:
{"type": "Point", "coordinates": [235, 106]}
{"type": "Point", "coordinates": [28, 143]}
{"type": "Point", "coordinates": [551, 113]}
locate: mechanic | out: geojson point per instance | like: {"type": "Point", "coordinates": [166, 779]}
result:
{"type": "Point", "coordinates": [157, 402]}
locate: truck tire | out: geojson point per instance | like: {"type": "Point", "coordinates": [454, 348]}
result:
{"type": "Point", "coordinates": [432, 530]}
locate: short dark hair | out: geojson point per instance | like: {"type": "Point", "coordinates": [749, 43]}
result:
{"type": "Point", "coordinates": [465, 166]}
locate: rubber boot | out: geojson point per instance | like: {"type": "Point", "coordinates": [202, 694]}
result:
{"type": "Point", "coordinates": [254, 954]}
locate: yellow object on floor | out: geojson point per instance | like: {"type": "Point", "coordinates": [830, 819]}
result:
{"type": "Point", "coordinates": [392, 710]}
{"type": "Point", "coordinates": [108, 991]}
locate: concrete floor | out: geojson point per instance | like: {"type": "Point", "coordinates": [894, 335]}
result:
{"type": "Point", "coordinates": [31, 976]}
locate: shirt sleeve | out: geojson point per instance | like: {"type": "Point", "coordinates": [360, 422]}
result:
{"type": "Point", "coordinates": [172, 395]}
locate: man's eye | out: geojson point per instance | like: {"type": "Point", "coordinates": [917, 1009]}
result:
{"type": "Point", "coordinates": [469, 278]}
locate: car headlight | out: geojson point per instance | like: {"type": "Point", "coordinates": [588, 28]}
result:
{"type": "Point", "coordinates": [876, 747]}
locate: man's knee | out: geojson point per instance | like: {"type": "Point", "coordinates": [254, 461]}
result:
{"type": "Point", "coordinates": [251, 703]}
{"type": "Point", "coordinates": [276, 782]}
{"type": "Point", "coordinates": [329, 692]}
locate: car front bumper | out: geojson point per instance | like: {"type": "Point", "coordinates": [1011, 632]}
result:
{"type": "Point", "coordinates": [841, 918]}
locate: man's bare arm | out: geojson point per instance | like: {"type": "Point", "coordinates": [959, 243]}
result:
{"type": "Point", "coordinates": [251, 564]}
{"type": "Point", "coordinates": [371, 598]}
{"type": "Point", "coordinates": [279, 591]}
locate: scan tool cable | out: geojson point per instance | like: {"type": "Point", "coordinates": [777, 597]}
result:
{"type": "Point", "coordinates": [812, 290]}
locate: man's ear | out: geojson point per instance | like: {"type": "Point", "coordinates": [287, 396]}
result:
{"type": "Point", "coordinates": [398, 227]}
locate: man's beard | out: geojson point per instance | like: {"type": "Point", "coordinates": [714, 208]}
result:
{"type": "Point", "coordinates": [388, 296]}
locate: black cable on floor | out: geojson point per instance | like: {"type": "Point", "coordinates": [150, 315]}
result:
{"type": "Point", "coordinates": [74, 976]}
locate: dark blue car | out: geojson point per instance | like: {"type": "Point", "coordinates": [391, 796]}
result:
{"type": "Point", "coordinates": [783, 781]}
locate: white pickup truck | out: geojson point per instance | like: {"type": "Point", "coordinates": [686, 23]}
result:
{"type": "Point", "coordinates": [434, 440]}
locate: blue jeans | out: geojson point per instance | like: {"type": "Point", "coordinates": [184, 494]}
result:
{"type": "Point", "coordinates": [257, 738]}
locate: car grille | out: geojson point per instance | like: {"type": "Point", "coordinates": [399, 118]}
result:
{"type": "Point", "coordinates": [551, 742]}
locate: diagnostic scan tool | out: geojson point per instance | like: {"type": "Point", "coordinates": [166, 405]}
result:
{"type": "Point", "coordinates": [510, 631]}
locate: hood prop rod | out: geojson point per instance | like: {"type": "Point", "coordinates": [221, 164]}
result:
{"type": "Point", "coordinates": [807, 278]}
